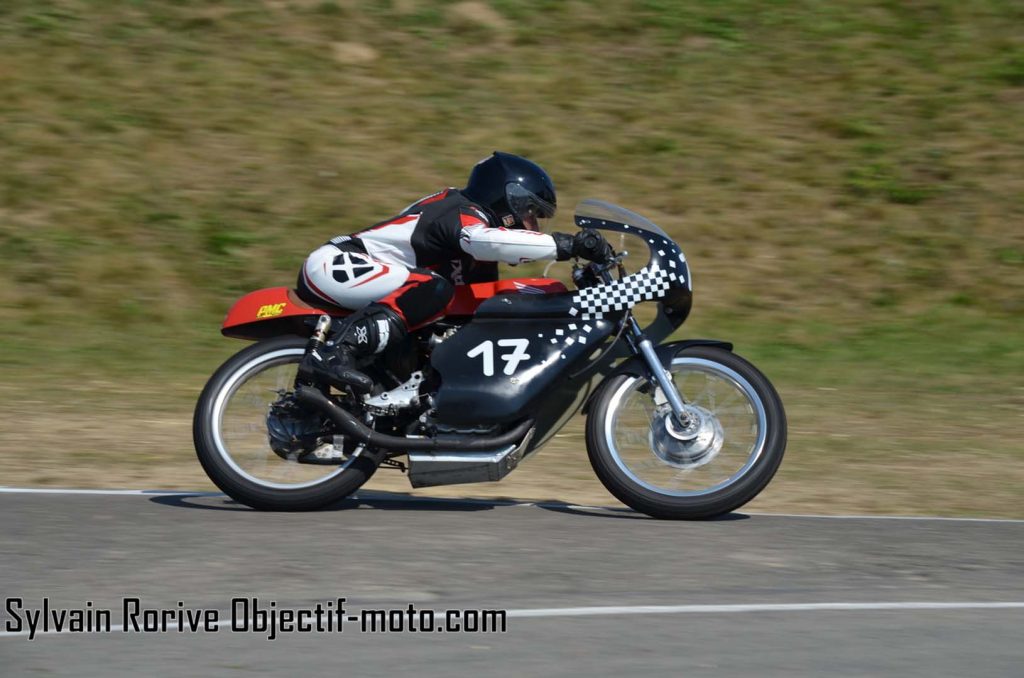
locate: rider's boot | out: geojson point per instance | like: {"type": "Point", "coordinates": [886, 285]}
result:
{"type": "Point", "coordinates": [366, 332]}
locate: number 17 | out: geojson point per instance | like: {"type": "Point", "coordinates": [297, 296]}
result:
{"type": "Point", "coordinates": [512, 360]}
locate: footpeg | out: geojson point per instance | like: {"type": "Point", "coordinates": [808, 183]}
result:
{"type": "Point", "coordinates": [390, 402]}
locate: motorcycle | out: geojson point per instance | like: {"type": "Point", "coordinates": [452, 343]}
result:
{"type": "Point", "coordinates": [679, 430]}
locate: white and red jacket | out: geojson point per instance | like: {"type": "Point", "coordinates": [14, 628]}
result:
{"type": "Point", "coordinates": [449, 234]}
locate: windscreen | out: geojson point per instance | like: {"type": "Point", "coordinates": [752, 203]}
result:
{"type": "Point", "coordinates": [601, 210]}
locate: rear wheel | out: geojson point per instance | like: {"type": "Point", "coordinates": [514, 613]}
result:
{"type": "Point", "coordinates": [232, 441]}
{"type": "Point", "coordinates": [727, 453]}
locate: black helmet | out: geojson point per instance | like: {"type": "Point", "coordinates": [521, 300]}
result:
{"type": "Point", "coordinates": [515, 190]}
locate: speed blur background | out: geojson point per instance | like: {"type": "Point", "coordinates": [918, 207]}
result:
{"type": "Point", "coordinates": [846, 178]}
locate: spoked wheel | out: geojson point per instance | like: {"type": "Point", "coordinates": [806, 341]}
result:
{"type": "Point", "coordinates": [720, 456]}
{"type": "Point", "coordinates": [261, 448]}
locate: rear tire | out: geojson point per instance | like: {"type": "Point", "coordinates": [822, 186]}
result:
{"type": "Point", "coordinates": [225, 471]}
{"type": "Point", "coordinates": [623, 476]}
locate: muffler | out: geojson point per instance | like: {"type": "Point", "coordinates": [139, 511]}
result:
{"type": "Point", "coordinates": [428, 469]}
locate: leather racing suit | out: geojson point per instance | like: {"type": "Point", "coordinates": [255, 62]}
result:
{"type": "Point", "coordinates": [411, 262]}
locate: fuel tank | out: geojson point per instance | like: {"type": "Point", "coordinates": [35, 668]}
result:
{"type": "Point", "coordinates": [516, 348]}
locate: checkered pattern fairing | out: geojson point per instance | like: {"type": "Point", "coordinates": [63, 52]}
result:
{"type": "Point", "coordinates": [646, 284]}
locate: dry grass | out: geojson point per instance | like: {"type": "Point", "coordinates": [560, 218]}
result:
{"type": "Point", "coordinates": [845, 177]}
{"type": "Point", "coordinates": [870, 157]}
{"type": "Point", "coordinates": [844, 455]}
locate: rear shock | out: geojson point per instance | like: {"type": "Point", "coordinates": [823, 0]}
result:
{"type": "Point", "coordinates": [314, 346]}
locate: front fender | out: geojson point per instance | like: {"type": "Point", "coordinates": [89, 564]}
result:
{"type": "Point", "coordinates": [666, 352]}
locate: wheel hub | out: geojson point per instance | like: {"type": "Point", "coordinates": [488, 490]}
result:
{"type": "Point", "coordinates": [691, 443]}
{"type": "Point", "coordinates": [291, 430]}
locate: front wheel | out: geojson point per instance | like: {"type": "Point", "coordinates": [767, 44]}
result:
{"type": "Point", "coordinates": [231, 436]}
{"type": "Point", "coordinates": [728, 451]}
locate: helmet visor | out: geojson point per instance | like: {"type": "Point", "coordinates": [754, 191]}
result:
{"type": "Point", "coordinates": [527, 204]}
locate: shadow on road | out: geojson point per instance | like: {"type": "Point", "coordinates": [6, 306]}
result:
{"type": "Point", "coordinates": [210, 503]}
{"type": "Point", "coordinates": [398, 501]}
{"type": "Point", "coordinates": [623, 513]}
{"type": "Point", "coordinates": [387, 501]}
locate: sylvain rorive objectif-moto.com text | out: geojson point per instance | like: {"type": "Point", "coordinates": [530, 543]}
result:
{"type": "Point", "coordinates": [247, 614]}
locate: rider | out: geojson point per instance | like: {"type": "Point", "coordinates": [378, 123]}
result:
{"type": "Point", "coordinates": [398, 275]}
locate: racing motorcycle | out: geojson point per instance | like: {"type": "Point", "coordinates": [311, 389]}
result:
{"type": "Point", "coordinates": [681, 430]}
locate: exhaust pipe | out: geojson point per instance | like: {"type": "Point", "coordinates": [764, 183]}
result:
{"type": "Point", "coordinates": [351, 426]}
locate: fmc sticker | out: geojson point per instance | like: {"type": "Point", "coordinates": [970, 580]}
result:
{"type": "Point", "coordinates": [271, 310]}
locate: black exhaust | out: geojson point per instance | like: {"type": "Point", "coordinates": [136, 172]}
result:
{"type": "Point", "coordinates": [351, 426]}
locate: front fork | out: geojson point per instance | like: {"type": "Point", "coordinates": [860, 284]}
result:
{"type": "Point", "coordinates": [641, 345]}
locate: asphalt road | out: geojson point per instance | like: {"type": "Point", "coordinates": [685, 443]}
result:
{"type": "Point", "coordinates": [753, 595]}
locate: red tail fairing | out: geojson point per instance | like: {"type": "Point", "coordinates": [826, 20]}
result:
{"type": "Point", "coordinates": [277, 311]}
{"type": "Point", "coordinates": [272, 312]}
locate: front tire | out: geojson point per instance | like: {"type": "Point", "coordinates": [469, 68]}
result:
{"type": "Point", "coordinates": [230, 436]}
{"type": "Point", "coordinates": [729, 455]}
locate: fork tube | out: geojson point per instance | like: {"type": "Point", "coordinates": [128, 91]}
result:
{"type": "Point", "coordinates": [661, 375]}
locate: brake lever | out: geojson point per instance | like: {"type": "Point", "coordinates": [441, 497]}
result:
{"type": "Point", "coordinates": [615, 261]}
{"type": "Point", "coordinates": [594, 273]}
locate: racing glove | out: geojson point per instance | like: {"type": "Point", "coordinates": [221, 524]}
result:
{"type": "Point", "coordinates": [587, 244]}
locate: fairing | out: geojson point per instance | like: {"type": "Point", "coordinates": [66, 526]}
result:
{"type": "Point", "coordinates": [666, 271]}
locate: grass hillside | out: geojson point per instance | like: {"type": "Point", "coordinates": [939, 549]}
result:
{"type": "Point", "coordinates": [846, 178]}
